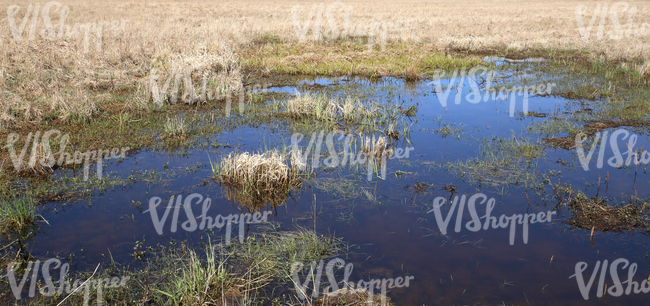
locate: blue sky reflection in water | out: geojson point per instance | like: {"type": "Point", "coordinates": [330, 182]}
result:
{"type": "Point", "coordinates": [386, 221]}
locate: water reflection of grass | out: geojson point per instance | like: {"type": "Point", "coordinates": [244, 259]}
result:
{"type": "Point", "coordinates": [341, 188]}
{"type": "Point", "coordinates": [70, 186]}
{"type": "Point", "coordinates": [446, 129]}
{"type": "Point", "coordinates": [501, 161]}
{"type": "Point", "coordinates": [552, 127]}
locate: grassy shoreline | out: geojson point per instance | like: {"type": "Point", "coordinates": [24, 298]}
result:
{"type": "Point", "coordinates": [118, 124]}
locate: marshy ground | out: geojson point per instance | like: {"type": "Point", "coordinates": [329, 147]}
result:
{"type": "Point", "coordinates": [210, 98]}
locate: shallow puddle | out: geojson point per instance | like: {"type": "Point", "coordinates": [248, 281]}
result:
{"type": "Point", "coordinates": [390, 221]}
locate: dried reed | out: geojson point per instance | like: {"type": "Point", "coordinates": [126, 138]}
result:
{"type": "Point", "coordinates": [255, 179]}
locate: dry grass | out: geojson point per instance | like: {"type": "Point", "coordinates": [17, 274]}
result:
{"type": "Point", "coordinates": [315, 111]}
{"type": "Point", "coordinates": [353, 297]}
{"type": "Point", "coordinates": [376, 147]}
{"type": "Point", "coordinates": [175, 127]}
{"type": "Point", "coordinates": [253, 180]}
{"type": "Point", "coordinates": [38, 164]}
{"type": "Point", "coordinates": [35, 160]}
{"type": "Point", "coordinates": [317, 106]}
{"type": "Point", "coordinates": [600, 214]}
{"type": "Point", "coordinates": [322, 107]}
{"type": "Point", "coordinates": [473, 26]}
{"type": "Point", "coordinates": [595, 213]}
{"type": "Point", "coordinates": [379, 149]}
{"type": "Point", "coordinates": [59, 79]}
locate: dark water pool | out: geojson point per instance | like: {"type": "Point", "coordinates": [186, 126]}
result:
{"type": "Point", "coordinates": [386, 220]}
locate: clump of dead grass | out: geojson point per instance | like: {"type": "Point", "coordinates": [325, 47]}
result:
{"type": "Point", "coordinates": [324, 108]}
{"type": "Point", "coordinates": [567, 142]}
{"type": "Point", "coordinates": [38, 164]}
{"type": "Point", "coordinates": [75, 106]}
{"type": "Point", "coordinates": [319, 107]}
{"type": "Point", "coordinates": [175, 127]}
{"type": "Point", "coordinates": [324, 111]}
{"type": "Point", "coordinates": [255, 179]}
{"type": "Point", "coordinates": [376, 146]}
{"type": "Point", "coordinates": [644, 70]}
{"type": "Point", "coordinates": [352, 297]}
{"type": "Point", "coordinates": [595, 212]}
{"type": "Point", "coordinates": [38, 161]}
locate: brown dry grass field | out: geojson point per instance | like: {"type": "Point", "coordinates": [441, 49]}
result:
{"type": "Point", "coordinates": [57, 79]}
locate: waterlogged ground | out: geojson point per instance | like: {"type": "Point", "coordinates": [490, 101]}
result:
{"type": "Point", "coordinates": [459, 149]}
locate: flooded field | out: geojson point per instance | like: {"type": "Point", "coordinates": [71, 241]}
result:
{"type": "Point", "coordinates": [485, 186]}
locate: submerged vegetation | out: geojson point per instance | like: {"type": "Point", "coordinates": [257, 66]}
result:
{"type": "Point", "coordinates": [217, 274]}
{"type": "Point", "coordinates": [602, 214]}
{"type": "Point", "coordinates": [238, 273]}
{"type": "Point", "coordinates": [501, 161]}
